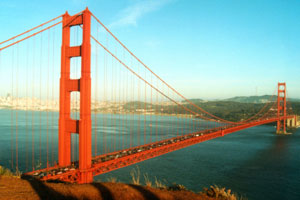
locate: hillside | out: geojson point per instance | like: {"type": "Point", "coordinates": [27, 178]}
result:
{"type": "Point", "coordinates": [257, 99]}
{"type": "Point", "coordinates": [194, 100]}
{"type": "Point", "coordinates": [229, 110]}
{"type": "Point", "coordinates": [30, 188]}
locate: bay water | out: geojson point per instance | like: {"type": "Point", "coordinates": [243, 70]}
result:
{"type": "Point", "coordinates": [255, 163]}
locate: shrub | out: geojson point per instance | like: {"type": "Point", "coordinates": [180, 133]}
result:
{"type": "Point", "coordinates": [220, 193]}
{"type": "Point", "coordinates": [177, 187]}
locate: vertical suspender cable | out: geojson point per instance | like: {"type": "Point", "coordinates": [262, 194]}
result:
{"type": "Point", "coordinates": [131, 128]}
{"type": "Point", "coordinates": [32, 103]}
{"type": "Point", "coordinates": [139, 109]}
{"type": "Point", "coordinates": [40, 136]}
{"type": "Point", "coordinates": [168, 115]}
{"type": "Point", "coordinates": [112, 101]}
{"type": "Point", "coordinates": [123, 103]}
{"type": "Point", "coordinates": [26, 117]}
{"type": "Point", "coordinates": [115, 97]}
{"type": "Point", "coordinates": [47, 102]}
{"type": "Point", "coordinates": [161, 113]}
{"type": "Point", "coordinates": [17, 99]}
{"type": "Point", "coordinates": [53, 103]}
{"type": "Point", "coordinates": [127, 113]}
{"type": "Point", "coordinates": [156, 112]}
{"type": "Point", "coordinates": [119, 104]}
{"type": "Point", "coordinates": [145, 110]}
{"type": "Point", "coordinates": [105, 84]}
{"type": "Point", "coordinates": [151, 109]}
{"type": "Point", "coordinates": [12, 109]}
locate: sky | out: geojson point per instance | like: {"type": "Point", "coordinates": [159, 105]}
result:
{"type": "Point", "coordinates": [207, 49]}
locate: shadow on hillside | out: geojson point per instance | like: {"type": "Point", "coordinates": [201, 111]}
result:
{"type": "Point", "coordinates": [43, 191]}
{"type": "Point", "coordinates": [46, 192]}
{"type": "Point", "coordinates": [146, 193]}
{"type": "Point", "coordinates": [107, 194]}
{"type": "Point", "coordinates": [104, 191]}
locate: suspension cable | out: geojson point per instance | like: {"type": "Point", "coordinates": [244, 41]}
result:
{"type": "Point", "coordinates": [136, 74]}
{"type": "Point", "coordinates": [30, 35]}
{"type": "Point", "coordinates": [201, 109]}
{"type": "Point", "coordinates": [47, 22]}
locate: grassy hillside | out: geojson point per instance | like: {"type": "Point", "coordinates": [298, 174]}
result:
{"type": "Point", "coordinates": [31, 188]}
{"type": "Point", "coordinates": [229, 110]}
{"type": "Point", "coordinates": [257, 99]}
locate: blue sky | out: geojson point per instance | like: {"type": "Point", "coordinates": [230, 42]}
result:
{"type": "Point", "coordinates": [204, 48]}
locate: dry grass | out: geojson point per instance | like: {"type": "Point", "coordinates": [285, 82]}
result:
{"type": "Point", "coordinates": [147, 180]}
{"type": "Point", "coordinates": [17, 189]}
{"type": "Point", "coordinates": [6, 172]}
{"type": "Point", "coordinates": [135, 176]}
{"type": "Point", "coordinates": [159, 184]}
{"type": "Point", "coordinates": [112, 179]}
{"type": "Point", "coordinates": [18, 173]}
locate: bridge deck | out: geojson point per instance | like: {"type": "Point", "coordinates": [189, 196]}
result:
{"type": "Point", "coordinates": [112, 161]}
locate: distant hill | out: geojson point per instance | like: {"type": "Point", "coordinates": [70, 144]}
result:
{"type": "Point", "coordinates": [293, 100]}
{"type": "Point", "coordinates": [194, 100]}
{"type": "Point", "coordinates": [257, 99]}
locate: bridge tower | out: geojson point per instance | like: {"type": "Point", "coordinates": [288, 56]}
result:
{"type": "Point", "coordinates": [281, 108]}
{"type": "Point", "coordinates": [68, 126]}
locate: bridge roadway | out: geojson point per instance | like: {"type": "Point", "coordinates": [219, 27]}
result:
{"type": "Point", "coordinates": [112, 161]}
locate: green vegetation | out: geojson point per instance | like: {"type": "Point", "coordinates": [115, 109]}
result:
{"type": "Point", "coordinates": [251, 99]}
{"type": "Point", "coordinates": [177, 187]}
{"type": "Point", "coordinates": [257, 99]}
{"type": "Point", "coordinates": [229, 110]}
{"type": "Point", "coordinates": [221, 193]}
{"type": "Point", "coordinates": [194, 100]}
{"type": "Point", "coordinates": [232, 111]}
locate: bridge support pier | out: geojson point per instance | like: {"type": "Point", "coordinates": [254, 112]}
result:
{"type": "Point", "coordinates": [281, 109]}
{"type": "Point", "coordinates": [83, 126]}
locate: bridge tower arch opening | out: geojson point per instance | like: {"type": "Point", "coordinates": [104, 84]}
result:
{"type": "Point", "coordinates": [281, 109]}
{"type": "Point", "coordinates": [68, 126]}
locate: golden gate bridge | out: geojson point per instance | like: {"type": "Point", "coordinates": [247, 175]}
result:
{"type": "Point", "coordinates": [99, 74]}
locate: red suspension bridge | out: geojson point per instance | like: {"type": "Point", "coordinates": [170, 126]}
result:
{"type": "Point", "coordinates": [113, 110]}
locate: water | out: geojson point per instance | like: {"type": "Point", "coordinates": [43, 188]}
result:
{"type": "Point", "coordinates": [255, 162]}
